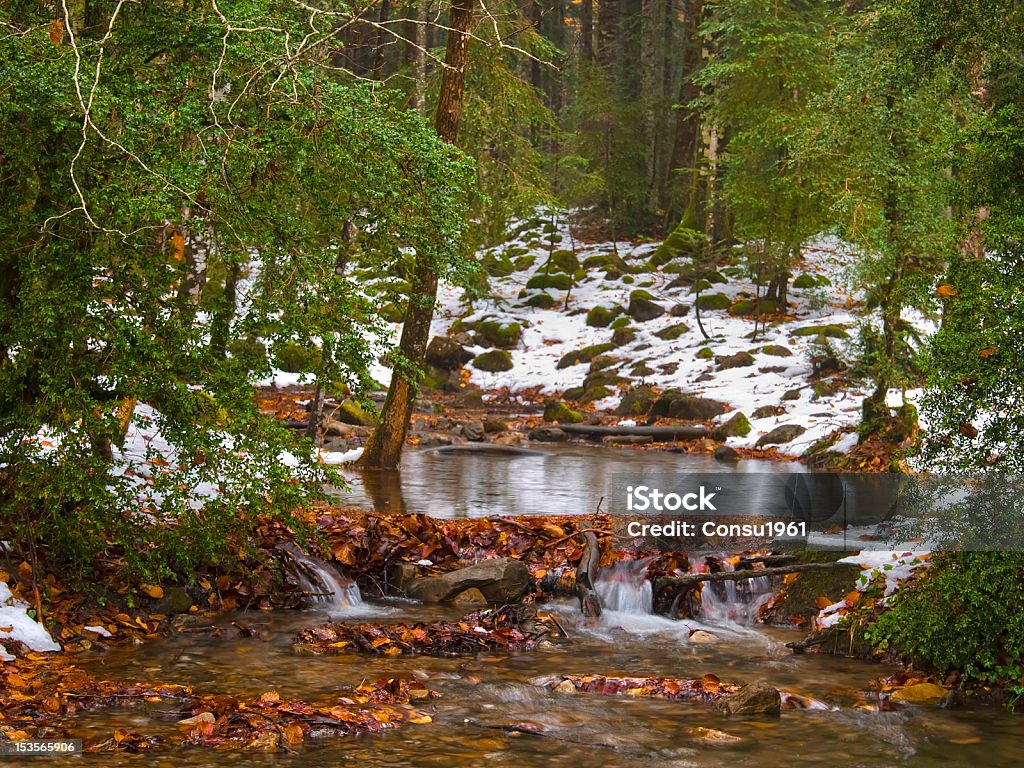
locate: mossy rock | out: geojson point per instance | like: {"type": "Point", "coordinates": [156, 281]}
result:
{"type": "Point", "coordinates": [560, 413]}
{"type": "Point", "coordinates": [504, 335]}
{"type": "Point", "coordinates": [549, 227]}
{"type": "Point", "coordinates": [603, 378]}
{"type": "Point", "coordinates": [637, 401]}
{"type": "Point", "coordinates": [831, 331]}
{"type": "Point", "coordinates": [828, 387]}
{"type": "Point", "coordinates": [497, 265]}
{"type": "Point", "coordinates": [716, 278]}
{"type": "Point", "coordinates": [767, 411]}
{"type": "Point", "coordinates": [601, 362]}
{"type": "Point", "coordinates": [553, 239]}
{"type": "Point", "coordinates": [515, 251]}
{"type": "Point", "coordinates": [754, 307]}
{"type": "Point", "coordinates": [584, 355]}
{"type": "Point", "coordinates": [595, 393]}
{"type": "Point", "coordinates": [705, 353]}
{"type": "Point", "coordinates": [711, 301]}
{"type": "Point", "coordinates": [738, 425]}
{"type": "Point", "coordinates": [805, 281]}
{"type": "Point", "coordinates": [523, 263]}
{"type": "Point", "coordinates": [249, 351]}
{"type": "Point", "coordinates": [565, 261]}
{"type": "Point", "coordinates": [351, 412]}
{"type": "Point", "coordinates": [296, 358]}
{"type": "Point", "coordinates": [642, 369]}
{"type": "Point", "coordinates": [495, 361]}
{"type": "Point", "coordinates": [558, 281]}
{"type": "Point", "coordinates": [738, 360]}
{"type": "Point", "coordinates": [627, 279]}
{"type": "Point", "coordinates": [623, 336]}
{"type": "Point", "coordinates": [542, 300]}
{"type": "Point", "coordinates": [799, 600]}
{"type": "Point", "coordinates": [391, 313]}
{"type": "Point", "coordinates": [684, 240]}
{"type": "Point", "coordinates": [642, 306]}
{"type": "Point", "coordinates": [620, 322]}
{"type": "Point", "coordinates": [602, 317]}
{"type": "Point", "coordinates": [673, 332]}
{"type": "Point", "coordinates": [574, 393]}
{"type": "Point", "coordinates": [776, 350]}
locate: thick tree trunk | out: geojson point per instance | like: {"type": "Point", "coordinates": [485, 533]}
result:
{"type": "Point", "coordinates": [685, 201]}
{"type": "Point", "coordinates": [587, 29]}
{"type": "Point", "coordinates": [384, 448]}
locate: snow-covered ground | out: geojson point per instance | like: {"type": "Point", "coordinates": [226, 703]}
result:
{"type": "Point", "coordinates": [548, 334]}
{"type": "Point", "coordinates": [16, 624]}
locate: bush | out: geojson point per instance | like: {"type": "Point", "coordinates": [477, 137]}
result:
{"type": "Point", "coordinates": [965, 613]}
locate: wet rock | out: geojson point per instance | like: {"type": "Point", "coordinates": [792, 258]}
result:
{"type": "Point", "coordinates": [547, 435]}
{"type": "Point", "coordinates": [565, 686]}
{"type": "Point", "coordinates": [757, 698]}
{"type": "Point", "coordinates": [446, 353]}
{"type": "Point", "coordinates": [471, 596]}
{"type": "Point", "coordinates": [642, 306]}
{"type": "Point", "coordinates": [782, 434]}
{"type": "Point", "coordinates": [500, 580]}
{"type": "Point", "coordinates": [473, 431]}
{"type": "Point", "coordinates": [919, 693]}
{"type": "Point", "coordinates": [435, 439]}
{"type": "Point", "coordinates": [739, 360]}
{"type": "Point", "coordinates": [711, 737]}
{"type": "Point", "coordinates": [724, 453]}
{"type": "Point", "coordinates": [700, 637]}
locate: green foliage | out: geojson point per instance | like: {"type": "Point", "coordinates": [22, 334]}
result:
{"type": "Point", "coordinates": [966, 613]}
{"type": "Point", "coordinates": [179, 179]}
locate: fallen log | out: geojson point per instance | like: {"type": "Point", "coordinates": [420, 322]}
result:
{"type": "Point", "coordinates": [693, 579]}
{"type": "Point", "coordinates": [661, 433]}
{"type": "Point", "coordinates": [590, 603]}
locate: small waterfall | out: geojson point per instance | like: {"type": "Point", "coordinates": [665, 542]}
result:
{"type": "Point", "coordinates": [734, 602]}
{"type": "Point", "coordinates": [325, 586]}
{"type": "Point", "coordinates": [624, 587]}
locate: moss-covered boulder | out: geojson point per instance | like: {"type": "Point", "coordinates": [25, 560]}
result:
{"type": "Point", "coordinates": [754, 307]}
{"type": "Point", "coordinates": [831, 331]}
{"type": "Point", "coordinates": [620, 322]}
{"type": "Point", "coordinates": [785, 433]}
{"type": "Point", "coordinates": [642, 369]}
{"type": "Point", "coordinates": [446, 353]}
{"type": "Point", "coordinates": [738, 425]}
{"type": "Point", "coordinates": [542, 300]}
{"type": "Point", "coordinates": [494, 361]}
{"type": "Point", "coordinates": [494, 333]}
{"type": "Point", "coordinates": [684, 241]}
{"type": "Point", "coordinates": [739, 360]}
{"type": "Point", "coordinates": [712, 301]}
{"type": "Point", "coordinates": [584, 355]}
{"type": "Point", "coordinates": [704, 353]}
{"type": "Point", "coordinates": [558, 281]}
{"type": "Point", "coordinates": [805, 281]}
{"type": "Point", "coordinates": [560, 413]}
{"type": "Point", "coordinates": [602, 317]}
{"type": "Point", "coordinates": [673, 332]}
{"type": "Point", "coordinates": [776, 350]}
{"type": "Point", "coordinates": [564, 261]}
{"type": "Point", "coordinates": [497, 264]}
{"type": "Point", "coordinates": [678, 405]}
{"type": "Point", "coordinates": [524, 262]}
{"type": "Point", "coordinates": [623, 336]}
{"type": "Point", "coordinates": [642, 306]}
{"type": "Point", "coordinates": [637, 401]}
{"type": "Point", "coordinates": [352, 412]}
{"type": "Point", "coordinates": [296, 358]}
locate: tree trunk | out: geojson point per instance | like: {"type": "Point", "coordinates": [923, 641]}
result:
{"type": "Point", "coordinates": [587, 29]}
{"type": "Point", "coordinates": [384, 447]}
{"type": "Point", "coordinates": [685, 187]}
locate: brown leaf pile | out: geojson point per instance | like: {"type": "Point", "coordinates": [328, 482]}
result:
{"type": "Point", "coordinates": [705, 689]}
{"type": "Point", "coordinates": [504, 629]}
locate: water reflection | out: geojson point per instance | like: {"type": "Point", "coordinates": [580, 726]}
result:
{"type": "Point", "coordinates": [562, 479]}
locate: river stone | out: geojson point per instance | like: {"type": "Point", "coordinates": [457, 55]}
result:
{"type": "Point", "coordinates": [700, 637]}
{"type": "Point", "coordinates": [739, 360]}
{"type": "Point", "coordinates": [471, 596]}
{"type": "Point", "coordinates": [500, 580]}
{"type": "Point", "coordinates": [447, 354]}
{"type": "Point", "coordinates": [566, 686]}
{"type": "Point", "coordinates": [548, 435]}
{"type": "Point", "coordinates": [473, 431]}
{"type": "Point", "coordinates": [711, 737]}
{"type": "Point", "coordinates": [757, 698]}
{"type": "Point", "coordinates": [724, 453]}
{"type": "Point", "coordinates": [919, 693]}
{"type": "Point", "coordinates": [786, 433]}
{"type": "Point", "coordinates": [175, 600]}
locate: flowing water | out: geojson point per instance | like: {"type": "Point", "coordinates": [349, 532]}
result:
{"type": "Point", "coordinates": [581, 730]}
